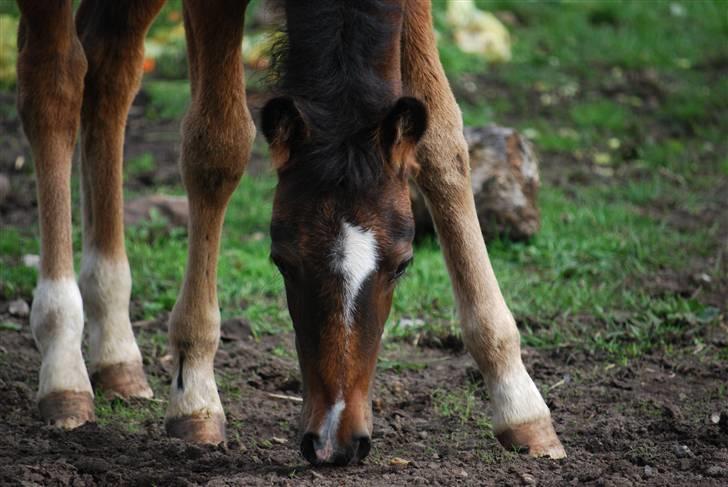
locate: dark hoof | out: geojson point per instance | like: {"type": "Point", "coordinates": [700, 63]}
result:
{"type": "Point", "coordinates": [67, 409]}
{"type": "Point", "coordinates": [198, 429]}
{"type": "Point", "coordinates": [123, 380]}
{"type": "Point", "coordinates": [537, 437]}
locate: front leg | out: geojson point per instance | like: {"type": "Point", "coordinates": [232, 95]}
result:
{"type": "Point", "coordinates": [521, 418]}
{"type": "Point", "coordinates": [217, 135]}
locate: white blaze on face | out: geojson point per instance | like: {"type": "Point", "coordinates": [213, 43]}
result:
{"type": "Point", "coordinates": [355, 259]}
{"type": "Point", "coordinates": [327, 433]}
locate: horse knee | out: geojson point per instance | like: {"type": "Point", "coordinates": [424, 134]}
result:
{"type": "Point", "coordinates": [215, 151]}
{"type": "Point", "coordinates": [50, 90]}
{"type": "Point", "coordinates": [444, 166]}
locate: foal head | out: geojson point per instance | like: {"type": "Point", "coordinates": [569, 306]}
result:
{"type": "Point", "coordinates": [341, 233]}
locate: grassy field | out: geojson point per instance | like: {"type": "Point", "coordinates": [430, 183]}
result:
{"type": "Point", "coordinates": [628, 149]}
{"type": "Point", "coordinates": [627, 105]}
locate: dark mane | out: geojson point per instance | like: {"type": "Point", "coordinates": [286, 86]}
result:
{"type": "Point", "coordinates": [327, 64]}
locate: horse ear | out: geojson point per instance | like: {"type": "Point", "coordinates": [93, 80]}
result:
{"type": "Point", "coordinates": [283, 127]}
{"type": "Point", "coordinates": [400, 131]}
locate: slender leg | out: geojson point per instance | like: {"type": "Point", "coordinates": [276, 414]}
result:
{"type": "Point", "coordinates": [51, 66]}
{"type": "Point", "coordinates": [112, 34]}
{"type": "Point", "coordinates": [521, 417]}
{"type": "Point", "coordinates": [217, 135]}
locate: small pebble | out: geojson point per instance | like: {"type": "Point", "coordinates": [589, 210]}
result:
{"type": "Point", "coordinates": [681, 451]}
{"type": "Point", "coordinates": [31, 260]}
{"type": "Point", "coordinates": [649, 471]}
{"type": "Point", "coordinates": [715, 418]}
{"type": "Point", "coordinates": [716, 471]}
{"type": "Point", "coordinates": [400, 462]}
{"type": "Point", "coordinates": [528, 479]}
{"type": "Point", "coordinates": [19, 308]}
{"type": "Point", "coordinates": [462, 473]}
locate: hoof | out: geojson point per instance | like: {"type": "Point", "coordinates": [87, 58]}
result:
{"type": "Point", "coordinates": [208, 429]}
{"type": "Point", "coordinates": [537, 437]}
{"type": "Point", "coordinates": [122, 380]}
{"type": "Point", "coordinates": [67, 409]}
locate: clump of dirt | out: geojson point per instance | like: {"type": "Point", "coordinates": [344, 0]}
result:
{"type": "Point", "coordinates": [653, 422]}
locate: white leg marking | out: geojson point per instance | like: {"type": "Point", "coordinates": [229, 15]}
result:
{"type": "Point", "coordinates": [56, 320]}
{"type": "Point", "coordinates": [516, 399]}
{"type": "Point", "coordinates": [327, 434]}
{"type": "Point", "coordinates": [198, 392]}
{"type": "Point", "coordinates": [355, 259]}
{"type": "Point", "coordinates": [106, 288]}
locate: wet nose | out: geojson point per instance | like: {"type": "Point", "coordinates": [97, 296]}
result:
{"type": "Point", "coordinates": [318, 452]}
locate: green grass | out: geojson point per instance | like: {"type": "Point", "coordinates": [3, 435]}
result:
{"type": "Point", "coordinates": [583, 281]}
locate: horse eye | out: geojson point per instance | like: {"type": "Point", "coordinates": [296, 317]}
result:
{"type": "Point", "coordinates": [402, 268]}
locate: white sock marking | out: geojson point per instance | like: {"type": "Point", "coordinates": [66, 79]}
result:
{"type": "Point", "coordinates": [56, 320]}
{"type": "Point", "coordinates": [356, 258]}
{"type": "Point", "coordinates": [516, 399]}
{"type": "Point", "coordinates": [106, 289]}
{"type": "Point", "coordinates": [199, 393]}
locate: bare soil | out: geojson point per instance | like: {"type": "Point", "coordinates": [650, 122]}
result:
{"type": "Point", "coordinates": [649, 423]}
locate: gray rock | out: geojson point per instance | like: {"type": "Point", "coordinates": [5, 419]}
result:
{"type": "Point", "coordinates": [528, 479]}
{"type": "Point", "coordinates": [505, 181]}
{"type": "Point", "coordinates": [19, 308]}
{"type": "Point", "coordinates": [174, 208]}
{"type": "Point", "coordinates": [32, 261]}
{"type": "Point", "coordinates": [682, 451]}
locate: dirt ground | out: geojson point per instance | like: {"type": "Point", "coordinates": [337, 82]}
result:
{"type": "Point", "coordinates": [661, 420]}
{"type": "Point", "coordinates": [649, 424]}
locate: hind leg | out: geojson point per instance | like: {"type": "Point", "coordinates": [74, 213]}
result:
{"type": "Point", "coordinates": [217, 135]}
{"type": "Point", "coordinates": [521, 417]}
{"type": "Point", "coordinates": [51, 66]}
{"type": "Point", "coordinates": [112, 34]}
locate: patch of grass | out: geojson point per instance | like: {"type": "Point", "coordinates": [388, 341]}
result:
{"type": "Point", "coordinates": [16, 280]}
{"type": "Point", "coordinates": [141, 164]}
{"type": "Point", "coordinates": [399, 365]}
{"type": "Point", "coordinates": [601, 114]}
{"type": "Point", "coordinates": [168, 98]}
{"type": "Point", "coordinates": [462, 405]}
{"type": "Point", "coordinates": [130, 416]}
{"type": "Point", "coordinates": [583, 279]}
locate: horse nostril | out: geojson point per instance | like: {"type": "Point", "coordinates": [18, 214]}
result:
{"type": "Point", "coordinates": [362, 445]}
{"type": "Point", "coordinates": [308, 449]}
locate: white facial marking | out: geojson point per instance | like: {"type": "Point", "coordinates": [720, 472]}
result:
{"type": "Point", "coordinates": [56, 320]}
{"type": "Point", "coordinates": [516, 399]}
{"type": "Point", "coordinates": [356, 259]}
{"type": "Point", "coordinates": [327, 433]}
{"type": "Point", "coordinates": [106, 287]}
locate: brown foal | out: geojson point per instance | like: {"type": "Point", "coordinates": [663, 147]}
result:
{"type": "Point", "coordinates": [344, 141]}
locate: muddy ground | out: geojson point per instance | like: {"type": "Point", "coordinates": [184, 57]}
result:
{"type": "Point", "coordinates": [661, 420]}
{"type": "Point", "coordinates": [650, 423]}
